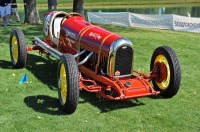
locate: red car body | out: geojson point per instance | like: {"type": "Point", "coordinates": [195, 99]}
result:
{"type": "Point", "coordinates": [104, 60]}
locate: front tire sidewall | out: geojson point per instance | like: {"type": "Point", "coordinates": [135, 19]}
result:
{"type": "Point", "coordinates": [69, 101]}
{"type": "Point", "coordinates": [175, 72]}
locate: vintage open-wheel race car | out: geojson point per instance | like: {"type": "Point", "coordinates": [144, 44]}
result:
{"type": "Point", "coordinates": [96, 60]}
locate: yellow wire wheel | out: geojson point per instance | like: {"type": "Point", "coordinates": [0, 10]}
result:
{"type": "Point", "coordinates": [63, 83]}
{"type": "Point", "coordinates": [165, 65]}
{"type": "Point", "coordinates": [68, 83]}
{"type": "Point", "coordinates": [18, 48]}
{"type": "Point", "coordinates": [163, 81]}
{"type": "Point", "coordinates": [14, 49]}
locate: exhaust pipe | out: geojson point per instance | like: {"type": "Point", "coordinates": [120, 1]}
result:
{"type": "Point", "coordinates": [57, 54]}
{"type": "Point", "coordinates": [49, 49]}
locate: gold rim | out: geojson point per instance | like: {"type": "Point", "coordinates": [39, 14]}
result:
{"type": "Point", "coordinates": [63, 83]}
{"type": "Point", "coordinates": [14, 49]}
{"type": "Point", "coordinates": [165, 83]}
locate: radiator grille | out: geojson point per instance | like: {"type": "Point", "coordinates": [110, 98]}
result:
{"type": "Point", "coordinates": [123, 61]}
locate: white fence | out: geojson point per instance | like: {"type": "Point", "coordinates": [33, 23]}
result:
{"type": "Point", "coordinates": [168, 21]}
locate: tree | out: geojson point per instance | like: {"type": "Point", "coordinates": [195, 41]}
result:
{"type": "Point", "coordinates": [78, 6]}
{"type": "Point", "coordinates": [31, 12]}
{"type": "Point", "coordinates": [32, 15]}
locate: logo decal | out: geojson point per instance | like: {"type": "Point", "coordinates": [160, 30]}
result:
{"type": "Point", "coordinates": [117, 73]}
{"type": "Point", "coordinates": [95, 35]}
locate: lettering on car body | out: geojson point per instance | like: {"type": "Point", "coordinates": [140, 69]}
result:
{"type": "Point", "coordinates": [95, 35]}
{"type": "Point", "coordinates": [70, 34]}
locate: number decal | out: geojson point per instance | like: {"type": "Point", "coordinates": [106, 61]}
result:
{"type": "Point", "coordinates": [46, 24]}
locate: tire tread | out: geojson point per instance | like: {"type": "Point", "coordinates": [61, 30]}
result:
{"type": "Point", "coordinates": [175, 71]}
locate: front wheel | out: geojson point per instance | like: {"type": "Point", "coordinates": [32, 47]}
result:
{"type": "Point", "coordinates": [68, 83]}
{"type": "Point", "coordinates": [165, 65]}
{"type": "Point", "coordinates": [18, 48]}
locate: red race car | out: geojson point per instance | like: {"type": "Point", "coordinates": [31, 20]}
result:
{"type": "Point", "coordinates": [96, 60]}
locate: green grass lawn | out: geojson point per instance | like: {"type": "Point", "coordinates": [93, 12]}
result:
{"type": "Point", "coordinates": [35, 107]}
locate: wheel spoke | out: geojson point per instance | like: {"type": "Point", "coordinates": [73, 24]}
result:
{"type": "Point", "coordinates": [14, 49]}
{"type": "Point", "coordinates": [63, 83]}
{"type": "Point", "coordinates": [165, 83]}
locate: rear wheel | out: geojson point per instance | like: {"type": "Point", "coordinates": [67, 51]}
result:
{"type": "Point", "coordinates": [68, 83]}
{"type": "Point", "coordinates": [18, 48]}
{"type": "Point", "coordinates": [165, 64]}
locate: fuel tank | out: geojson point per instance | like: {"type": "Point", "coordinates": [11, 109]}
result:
{"type": "Point", "coordinates": [78, 34]}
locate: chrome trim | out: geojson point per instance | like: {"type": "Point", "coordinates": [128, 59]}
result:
{"type": "Point", "coordinates": [79, 54]}
{"type": "Point", "coordinates": [113, 48]}
{"type": "Point", "coordinates": [120, 42]}
{"type": "Point", "coordinates": [86, 58]}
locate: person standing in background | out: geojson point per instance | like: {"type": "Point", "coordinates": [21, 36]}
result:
{"type": "Point", "coordinates": [53, 3]}
{"type": "Point", "coordinates": [6, 11]}
{"type": "Point", "coordinates": [0, 11]}
{"type": "Point", "coordinates": [14, 11]}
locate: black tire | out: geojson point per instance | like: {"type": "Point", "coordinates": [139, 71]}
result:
{"type": "Point", "coordinates": [169, 78]}
{"type": "Point", "coordinates": [68, 83]}
{"type": "Point", "coordinates": [18, 52]}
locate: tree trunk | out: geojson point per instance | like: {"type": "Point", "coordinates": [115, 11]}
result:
{"type": "Point", "coordinates": [78, 6]}
{"type": "Point", "coordinates": [31, 12]}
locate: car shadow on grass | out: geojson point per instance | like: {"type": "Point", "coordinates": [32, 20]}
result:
{"type": "Point", "coordinates": [49, 105]}
{"type": "Point", "coordinates": [6, 64]}
{"type": "Point", "coordinates": [106, 105]}
{"type": "Point", "coordinates": [157, 97]}
{"type": "Point", "coordinates": [44, 104]}
{"type": "Point", "coordinates": [44, 69]}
